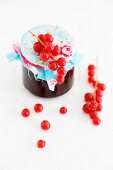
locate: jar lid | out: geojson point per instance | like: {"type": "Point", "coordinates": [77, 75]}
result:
{"type": "Point", "coordinates": [60, 38]}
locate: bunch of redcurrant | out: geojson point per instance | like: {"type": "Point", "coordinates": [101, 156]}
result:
{"type": "Point", "coordinates": [93, 100]}
{"type": "Point", "coordinates": [50, 54]}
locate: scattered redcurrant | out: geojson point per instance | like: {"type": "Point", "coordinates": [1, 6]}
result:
{"type": "Point", "coordinates": [45, 125]}
{"type": "Point", "coordinates": [25, 112]}
{"type": "Point", "coordinates": [38, 107]}
{"type": "Point", "coordinates": [63, 110]}
{"type": "Point", "coordinates": [41, 143]}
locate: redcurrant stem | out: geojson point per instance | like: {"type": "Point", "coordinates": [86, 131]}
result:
{"type": "Point", "coordinates": [97, 67]}
{"type": "Point", "coordinates": [34, 35]}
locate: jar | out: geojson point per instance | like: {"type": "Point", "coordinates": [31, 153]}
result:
{"type": "Point", "coordinates": [38, 77]}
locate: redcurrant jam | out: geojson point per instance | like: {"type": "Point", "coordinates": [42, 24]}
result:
{"type": "Point", "coordinates": [40, 87]}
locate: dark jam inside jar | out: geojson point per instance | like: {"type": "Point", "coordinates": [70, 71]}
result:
{"type": "Point", "coordinates": [40, 87]}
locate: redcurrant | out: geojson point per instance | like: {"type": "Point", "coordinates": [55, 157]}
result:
{"type": "Point", "coordinates": [49, 47]}
{"type": "Point", "coordinates": [45, 125]}
{"type": "Point", "coordinates": [37, 47]}
{"type": "Point", "coordinates": [61, 71]}
{"type": "Point", "coordinates": [61, 61]}
{"type": "Point", "coordinates": [52, 66]}
{"type": "Point", "coordinates": [93, 114]}
{"type": "Point", "coordinates": [99, 107]}
{"type": "Point", "coordinates": [60, 79]}
{"type": "Point", "coordinates": [25, 112]}
{"type": "Point", "coordinates": [41, 143]}
{"type": "Point", "coordinates": [99, 93]}
{"type": "Point", "coordinates": [38, 107]}
{"type": "Point", "coordinates": [102, 86]}
{"type": "Point", "coordinates": [93, 105]}
{"type": "Point", "coordinates": [42, 37]}
{"type": "Point", "coordinates": [63, 110]}
{"type": "Point", "coordinates": [44, 56]}
{"type": "Point", "coordinates": [48, 38]}
{"type": "Point", "coordinates": [99, 99]}
{"type": "Point", "coordinates": [56, 50]}
{"type": "Point", "coordinates": [91, 79]}
{"type": "Point", "coordinates": [91, 73]}
{"type": "Point", "coordinates": [89, 97]}
{"type": "Point", "coordinates": [86, 108]}
{"type": "Point", "coordinates": [96, 120]}
{"type": "Point", "coordinates": [91, 67]}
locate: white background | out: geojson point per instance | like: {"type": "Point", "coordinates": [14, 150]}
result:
{"type": "Point", "coordinates": [72, 143]}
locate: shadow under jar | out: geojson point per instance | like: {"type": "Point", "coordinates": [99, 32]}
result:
{"type": "Point", "coordinates": [40, 87]}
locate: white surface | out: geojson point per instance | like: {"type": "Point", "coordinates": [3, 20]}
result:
{"type": "Point", "coordinates": [73, 143]}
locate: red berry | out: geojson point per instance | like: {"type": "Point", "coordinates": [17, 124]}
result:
{"type": "Point", "coordinates": [99, 107]}
{"type": "Point", "coordinates": [89, 97]}
{"type": "Point", "coordinates": [61, 61]}
{"type": "Point", "coordinates": [41, 144]}
{"type": "Point", "coordinates": [91, 79]}
{"type": "Point", "coordinates": [44, 56]}
{"type": "Point", "coordinates": [86, 108]}
{"type": "Point", "coordinates": [60, 79]}
{"type": "Point", "coordinates": [56, 50]}
{"type": "Point", "coordinates": [63, 110]}
{"type": "Point", "coordinates": [42, 37]}
{"type": "Point", "coordinates": [52, 65]}
{"type": "Point", "coordinates": [99, 93]}
{"type": "Point", "coordinates": [61, 71]}
{"type": "Point", "coordinates": [45, 125]}
{"type": "Point", "coordinates": [38, 107]}
{"type": "Point", "coordinates": [93, 105]}
{"type": "Point", "coordinates": [93, 114]}
{"type": "Point", "coordinates": [91, 67]}
{"type": "Point", "coordinates": [96, 120]}
{"type": "Point", "coordinates": [99, 99]}
{"type": "Point", "coordinates": [102, 86]}
{"type": "Point", "coordinates": [48, 38]}
{"type": "Point", "coordinates": [25, 112]}
{"type": "Point", "coordinates": [37, 47]}
{"type": "Point", "coordinates": [49, 47]}
{"type": "Point", "coordinates": [91, 73]}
